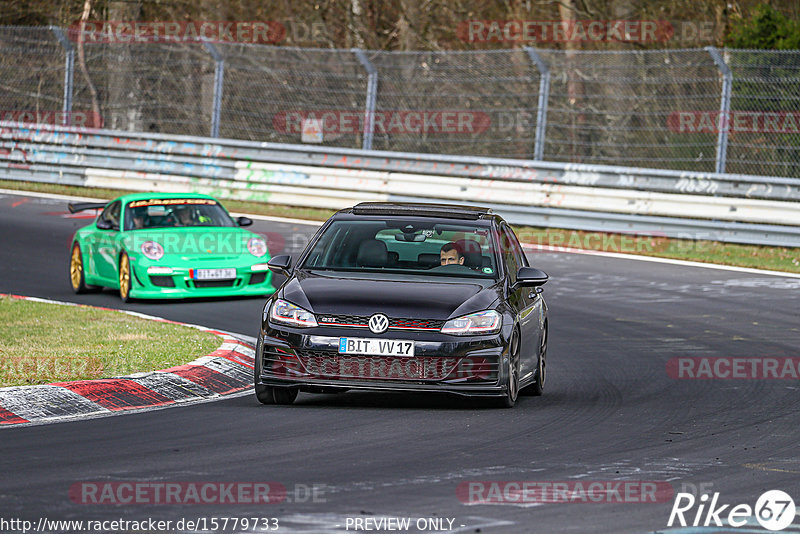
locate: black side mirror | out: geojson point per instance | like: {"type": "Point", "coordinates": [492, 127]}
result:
{"type": "Point", "coordinates": [280, 264]}
{"type": "Point", "coordinates": [244, 221]}
{"type": "Point", "coordinates": [102, 224]}
{"type": "Point", "coordinates": [531, 277]}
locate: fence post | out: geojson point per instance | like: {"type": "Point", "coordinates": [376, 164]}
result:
{"type": "Point", "coordinates": [724, 107]}
{"type": "Point", "coordinates": [69, 70]}
{"type": "Point", "coordinates": [544, 95]}
{"type": "Point", "coordinates": [219, 75]}
{"type": "Point", "coordinates": [372, 91]}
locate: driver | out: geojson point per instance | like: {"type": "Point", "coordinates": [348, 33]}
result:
{"type": "Point", "coordinates": [138, 221]}
{"type": "Point", "coordinates": [451, 254]}
{"type": "Point", "coordinates": [137, 218]}
{"type": "Point", "coordinates": [184, 216]}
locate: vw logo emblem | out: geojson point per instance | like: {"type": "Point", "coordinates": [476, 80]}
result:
{"type": "Point", "coordinates": [378, 323]}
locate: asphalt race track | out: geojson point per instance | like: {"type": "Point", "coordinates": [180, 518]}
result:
{"type": "Point", "coordinates": [610, 413]}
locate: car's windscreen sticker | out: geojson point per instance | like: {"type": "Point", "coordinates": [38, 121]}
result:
{"type": "Point", "coordinates": [171, 202]}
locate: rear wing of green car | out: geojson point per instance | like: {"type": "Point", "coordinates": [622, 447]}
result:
{"type": "Point", "coordinates": [75, 207]}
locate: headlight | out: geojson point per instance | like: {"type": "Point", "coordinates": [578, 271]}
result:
{"type": "Point", "coordinates": [152, 250]}
{"type": "Point", "coordinates": [257, 246]}
{"type": "Point", "coordinates": [287, 313]}
{"type": "Point", "coordinates": [485, 322]}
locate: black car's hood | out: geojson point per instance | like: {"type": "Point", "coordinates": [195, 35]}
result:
{"type": "Point", "coordinates": [395, 298]}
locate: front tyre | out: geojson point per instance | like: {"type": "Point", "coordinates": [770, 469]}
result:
{"type": "Point", "coordinates": [536, 389]}
{"type": "Point", "coordinates": [76, 275]}
{"type": "Point", "coordinates": [512, 373]}
{"type": "Point", "coordinates": [124, 278]}
{"type": "Point", "coordinates": [274, 395]}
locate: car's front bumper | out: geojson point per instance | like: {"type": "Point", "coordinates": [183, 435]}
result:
{"type": "Point", "coordinates": [310, 361]}
{"type": "Point", "coordinates": [180, 284]}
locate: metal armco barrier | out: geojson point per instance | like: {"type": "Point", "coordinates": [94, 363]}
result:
{"type": "Point", "coordinates": [723, 207]}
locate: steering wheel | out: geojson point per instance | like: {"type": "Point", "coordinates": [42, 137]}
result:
{"type": "Point", "coordinates": [454, 268]}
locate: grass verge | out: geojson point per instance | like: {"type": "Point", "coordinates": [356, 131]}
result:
{"type": "Point", "coordinates": [753, 256]}
{"type": "Point", "coordinates": [40, 343]}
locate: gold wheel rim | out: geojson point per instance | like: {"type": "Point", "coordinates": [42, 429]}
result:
{"type": "Point", "coordinates": [124, 277]}
{"type": "Point", "coordinates": [76, 267]}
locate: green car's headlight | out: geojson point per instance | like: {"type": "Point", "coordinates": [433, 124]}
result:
{"type": "Point", "coordinates": [152, 250]}
{"type": "Point", "coordinates": [288, 313]}
{"type": "Point", "coordinates": [257, 246]}
{"type": "Point", "coordinates": [485, 322]}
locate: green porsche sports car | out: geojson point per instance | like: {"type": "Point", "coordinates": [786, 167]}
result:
{"type": "Point", "coordinates": [168, 245]}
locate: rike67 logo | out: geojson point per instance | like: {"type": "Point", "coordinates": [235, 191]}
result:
{"type": "Point", "coordinates": [774, 510]}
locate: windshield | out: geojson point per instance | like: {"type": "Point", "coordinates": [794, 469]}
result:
{"type": "Point", "coordinates": [175, 212]}
{"type": "Point", "coordinates": [412, 246]}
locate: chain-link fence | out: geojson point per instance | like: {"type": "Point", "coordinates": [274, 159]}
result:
{"type": "Point", "coordinates": [32, 68]}
{"type": "Point", "coordinates": [696, 109]}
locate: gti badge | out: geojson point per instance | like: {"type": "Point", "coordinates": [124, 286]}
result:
{"type": "Point", "coordinates": [378, 323]}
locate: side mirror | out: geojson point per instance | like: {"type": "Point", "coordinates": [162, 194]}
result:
{"type": "Point", "coordinates": [531, 277]}
{"type": "Point", "coordinates": [102, 224]}
{"type": "Point", "coordinates": [280, 264]}
{"type": "Point", "coordinates": [244, 221]}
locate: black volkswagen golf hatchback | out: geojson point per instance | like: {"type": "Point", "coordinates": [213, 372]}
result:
{"type": "Point", "coordinates": [406, 297]}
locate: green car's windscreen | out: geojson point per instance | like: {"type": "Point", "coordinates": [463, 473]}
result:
{"type": "Point", "coordinates": [407, 245]}
{"type": "Point", "coordinates": [175, 212]}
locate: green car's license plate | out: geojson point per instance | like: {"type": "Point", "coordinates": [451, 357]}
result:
{"type": "Point", "coordinates": [213, 274]}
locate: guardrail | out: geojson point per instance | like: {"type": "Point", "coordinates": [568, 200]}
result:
{"type": "Point", "coordinates": [723, 207]}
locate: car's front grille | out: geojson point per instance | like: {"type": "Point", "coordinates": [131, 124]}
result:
{"type": "Point", "coordinates": [280, 362]}
{"type": "Point", "coordinates": [396, 323]}
{"type": "Point", "coordinates": [330, 365]}
{"type": "Point", "coordinates": [344, 320]}
{"type": "Point", "coordinates": [201, 284]}
{"type": "Point", "coordinates": [162, 281]}
{"type": "Point", "coordinates": [422, 324]}
{"type": "Point", "coordinates": [257, 278]}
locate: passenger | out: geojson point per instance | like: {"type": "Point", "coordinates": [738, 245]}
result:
{"type": "Point", "coordinates": [451, 254]}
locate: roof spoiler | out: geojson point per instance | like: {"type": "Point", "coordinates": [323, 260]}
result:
{"type": "Point", "coordinates": [75, 207]}
{"type": "Point", "coordinates": [446, 211]}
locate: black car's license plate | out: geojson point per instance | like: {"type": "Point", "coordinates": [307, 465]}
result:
{"type": "Point", "coordinates": [376, 347]}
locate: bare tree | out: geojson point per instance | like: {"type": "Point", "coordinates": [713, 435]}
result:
{"type": "Point", "coordinates": [568, 11]}
{"type": "Point", "coordinates": [87, 10]}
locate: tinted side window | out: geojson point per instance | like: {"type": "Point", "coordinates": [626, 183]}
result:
{"type": "Point", "coordinates": [522, 260]}
{"type": "Point", "coordinates": [111, 214]}
{"type": "Point", "coordinates": [507, 249]}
